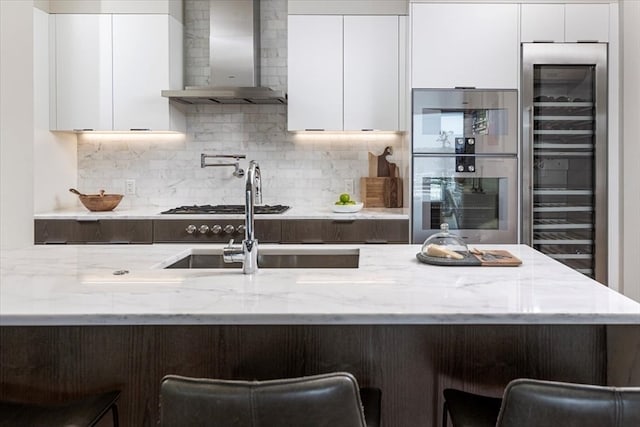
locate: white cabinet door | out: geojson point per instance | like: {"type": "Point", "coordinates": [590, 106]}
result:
{"type": "Point", "coordinates": [83, 72]}
{"type": "Point", "coordinates": [140, 72]}
{"type": "Point", "coordinates": [465, 45]}
{"type": "Point", "coordinates": [587, 22]}
{"type": "Point", "coordinates": [110, 69]}
{"type": "Point", "coordinates": [315, 70]}
{"type": "Point", "coordinates": [542, 23]}
{"type": "Point", "coordinates": [570, 23]}
{"type": "Point", "coordinates": [371, 58]}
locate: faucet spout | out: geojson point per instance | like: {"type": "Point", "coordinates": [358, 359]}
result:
{"type": "Point", "coordinates": [248, 253]}
{"type": "Point", "coordinates": [253, 195]}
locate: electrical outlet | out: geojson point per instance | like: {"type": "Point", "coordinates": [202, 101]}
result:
{"type": "Point", "coordinates": [348, 186]}
{"type": "Point", "coordinates": [130, 186]}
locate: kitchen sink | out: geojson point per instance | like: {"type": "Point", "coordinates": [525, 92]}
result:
{"type": "Point", "coordinates": [274, 258]}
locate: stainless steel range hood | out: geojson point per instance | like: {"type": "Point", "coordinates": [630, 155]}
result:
{"type": "Point", "coordinates": [234, 59]}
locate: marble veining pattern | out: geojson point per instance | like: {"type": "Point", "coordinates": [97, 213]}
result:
{"type": "Point", "coordinates": [76, 285]}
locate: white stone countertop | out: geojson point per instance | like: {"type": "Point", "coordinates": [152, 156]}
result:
{"type": "Point", "coordinates": [75, 285]}
{"type": "Point", "coordinates": [81, 213]}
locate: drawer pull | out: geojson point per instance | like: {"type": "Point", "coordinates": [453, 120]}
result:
{"type": "Point", "coordinates": [55, 242]}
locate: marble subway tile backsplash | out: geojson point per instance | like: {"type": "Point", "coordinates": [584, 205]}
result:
{"type": "Point", "coordinates": [297, 169]}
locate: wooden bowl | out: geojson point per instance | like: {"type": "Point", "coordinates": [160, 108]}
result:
{"type": "Point", "coordinates": [98, 202]}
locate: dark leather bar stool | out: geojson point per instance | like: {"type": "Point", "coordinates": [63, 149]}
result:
{"type": "Point", "coordinates": [536, 403]}
{"type": "Point", "coordinates": [85, 412]}
{"type": "Point", "coordinates": [315, 401]}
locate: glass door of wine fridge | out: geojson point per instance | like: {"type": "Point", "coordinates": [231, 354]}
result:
{"type": "Point", "coordinates": [564, 167]}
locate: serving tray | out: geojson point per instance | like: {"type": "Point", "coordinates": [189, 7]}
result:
{"type": "Point", "coordinates": [497, 258]}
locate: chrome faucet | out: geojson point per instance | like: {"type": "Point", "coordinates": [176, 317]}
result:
{"type": "Point", "coordinates": [238, 172]}
{"type": "Point", "coordinates": [247, 253]}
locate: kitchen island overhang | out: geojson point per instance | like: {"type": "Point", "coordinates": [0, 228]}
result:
{"type": "Point", "coordinates": [80, 285]}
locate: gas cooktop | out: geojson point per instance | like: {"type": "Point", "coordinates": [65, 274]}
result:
{"type": "Point", "coordinates": [226, 209]}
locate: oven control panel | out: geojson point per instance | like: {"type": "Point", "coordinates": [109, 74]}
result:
{"type": "Point", "coordinates": [465, 154]}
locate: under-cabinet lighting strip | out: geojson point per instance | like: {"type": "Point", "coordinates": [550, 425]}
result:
{"type": "Point", "coordinates": [131, 137]}
{"type": "Point", "coordinates": [346, 137]}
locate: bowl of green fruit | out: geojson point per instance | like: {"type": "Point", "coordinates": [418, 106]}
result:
{"type": "Point", "coordinates": [346, 205]}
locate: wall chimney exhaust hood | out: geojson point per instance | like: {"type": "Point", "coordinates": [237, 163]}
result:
{"type": "Point", "coordinates": [234, 59]}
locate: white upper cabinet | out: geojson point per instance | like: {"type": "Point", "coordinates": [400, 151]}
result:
{"type": "Point", "coordinates": [469, 45]}
{"type": "Point", "coordinates": [82, 79]}
{"type": "Point", "coordinates": [343, 72]}
{"type": "Point", "coordinates": [141, 69]}
{"type": "Point", "coordinates": [371, 72]}
{"type": "Point", "coordinates": [586, 23]}
{"type": "Point", "coordinates": [315, 72]}
{"type": "Point", "coordinates": [110, 70]}
{"type": "Point", "coordinates": [542, 23]}
{"type": "Point", "coordinates": [575, 22]}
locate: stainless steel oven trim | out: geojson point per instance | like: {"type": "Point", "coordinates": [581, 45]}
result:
{"type": "Point", "coordinates": [508, 169]}
{"type": "Point", "coordinates": [567, 54]}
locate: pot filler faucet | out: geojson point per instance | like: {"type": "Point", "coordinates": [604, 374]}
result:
{"type": "Point", "coordinates": [247, 254]}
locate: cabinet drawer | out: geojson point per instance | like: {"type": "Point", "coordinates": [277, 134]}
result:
{"type": "Point", "coordinates": [176, 231]}
{"type": "Point", "coordinates": [345, 231]}
{"type": "Point", "coordinates": [94, 231]}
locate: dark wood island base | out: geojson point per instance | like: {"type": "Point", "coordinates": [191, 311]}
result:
{"type": "Point", "coordinates": [412, 364]}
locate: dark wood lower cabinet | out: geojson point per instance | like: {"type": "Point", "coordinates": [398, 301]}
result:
{"type": "Point", "coordinates": [345, 231]}
{"type": "Point", "coordinates": [65, 231]}
{"type": "Point", "coordinates": [108, 231]}
{"type": "Point", "coordinates": [412, 364]}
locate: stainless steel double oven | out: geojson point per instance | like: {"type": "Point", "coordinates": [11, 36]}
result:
{"type": "Point", "coordinates": [465, 165]}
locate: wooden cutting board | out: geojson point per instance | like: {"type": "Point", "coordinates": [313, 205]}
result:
{"type": "Point", "coordinates": [496, 258]}
{"type": "Point", "coordinates": [381, 192]}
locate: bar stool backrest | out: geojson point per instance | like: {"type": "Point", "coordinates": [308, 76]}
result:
{"type": "Point", "coordinates": [329, 400]}
{"type": "Point", "coordinates": [535, 403]}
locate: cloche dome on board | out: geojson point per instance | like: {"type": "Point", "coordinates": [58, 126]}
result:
{"type": "Point", "coordinates": [445, 245]}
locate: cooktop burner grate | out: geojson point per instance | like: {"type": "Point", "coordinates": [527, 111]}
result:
{"type": "Point", "coordinates": [226, 209]}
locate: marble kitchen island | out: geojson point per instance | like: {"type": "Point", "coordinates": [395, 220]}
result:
{"type": "Point", "coordinates": [70, 325]}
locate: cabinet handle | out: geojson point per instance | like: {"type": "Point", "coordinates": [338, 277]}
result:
{"type": "Point", "coordinates": [314, 130]}
{"type": "Point", "coordinates": [119, 242]}
{"type": "Point", "coordinates": [139, 129]}
{"type": "Point", "coordinates": [54, 242]}
{"type": "Point", "coordinates": [376, 241]}
{"type": "Point", "coordinates": [87, 220]}
{"type": "Point", "coordinates": [311, 241]}
{"type": "Point", "coordinates": [343, 221]}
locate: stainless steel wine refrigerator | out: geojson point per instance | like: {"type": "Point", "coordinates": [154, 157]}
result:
{"type": "Point", "coordinates": [564, 153]}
